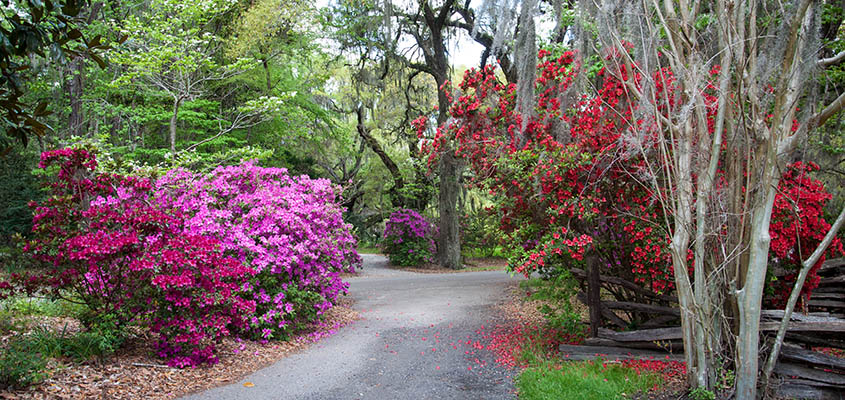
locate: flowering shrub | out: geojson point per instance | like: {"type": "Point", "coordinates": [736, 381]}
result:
{"type": "Point", "coordinates": [196, 290]}
{"type": "Point", "coordinates": [797, 227]}
{"type": "Point", "coordinates": [289, 229]}
{"type": "Point", "coordinates": [562, 177]}
{"type": "Point", "coordinates": [105, 244]}
{"type": "Point", "coordinates": [408, 238]}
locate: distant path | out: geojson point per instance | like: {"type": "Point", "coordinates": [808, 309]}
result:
{"type": "Point", "coordinates": [404, 347]}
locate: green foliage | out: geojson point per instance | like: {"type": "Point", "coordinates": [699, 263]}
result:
{"type": "Point", "coordinates": [79, 347]}
{"type": "Point", "coordinates": [582, 380]}
{"type": "Point", "coordinates": [23, 360]}
{"type": "Point", "coordinates": [18, 189]}
{"type": "Point", "coordinates": [700, 393]}
{"type": "Point", "coordinates": [36, 306]}
{"type": "Point", "coordinates": [19, 366]}
{"type": "Point", "coordinates": [556, 293]}
{"type": "Point", "coordinates": [30, 28]}
{"type": "Point", "coordinates": [480, 234]}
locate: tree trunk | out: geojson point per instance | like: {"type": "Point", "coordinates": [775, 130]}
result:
{"type": "Point", "coordinates": [751, 294]}
{"type": "Point", "coordinates": [74, 91]}
{"type": "Point", "coordinates": [449, 246]}
{"type": "Point", "coordinates": [266, 66]}
{"type": "Point", "coordinates": [173, 118]}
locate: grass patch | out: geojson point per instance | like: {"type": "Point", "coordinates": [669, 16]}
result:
{"type": "Point", "coordinates": [23, 361]}
{"type": "Point", "coordinates": [368, 250]}
{"type": "Point", "coordinates": [25, 306]}
{"type": "Point", "coordinates": [582, 380]}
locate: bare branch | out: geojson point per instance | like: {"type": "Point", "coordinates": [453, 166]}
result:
{"type": "Point", "coordinates": [796, 292]}
{"type": "Point", "coordinates": [826, 62]}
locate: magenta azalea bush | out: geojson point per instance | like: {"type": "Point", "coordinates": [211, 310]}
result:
{"type": "Point", "coordinates": [290, 229]}
{"type": "Point", "coordinates": [408, 238]}
{"type": "Point", "coordinates": [245, 250]}
{"type": "Point", "coordinates": [105, 244]}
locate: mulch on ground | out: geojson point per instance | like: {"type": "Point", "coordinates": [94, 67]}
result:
{"type": "Point", "coordinates": [133, 373]}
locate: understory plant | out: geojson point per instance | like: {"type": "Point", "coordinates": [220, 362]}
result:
{"type": "Point", "coordinates": [408, 239]}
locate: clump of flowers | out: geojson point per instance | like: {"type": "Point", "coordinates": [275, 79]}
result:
{"type": "Point", "coordinates": [408, 238]}
{"type": "Point", "coordinates": [289, 229]}
{"type": "Point", "coordinates": [103, 242]}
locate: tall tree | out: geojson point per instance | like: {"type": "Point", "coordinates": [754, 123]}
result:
{"type": "Point", "coordinates": [31, 30]}
{"type": "Point", "coordinates": [757, 77]}
{"type": "Point", "coordinates": [173, 47]}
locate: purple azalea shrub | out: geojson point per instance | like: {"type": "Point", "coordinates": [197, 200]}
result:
{"type": "Point", "coordinates": [408, 238]}
{"type": "Point", "coordinates": [289, 229]}
{"type": "Point", "coordinates": [103, 242]}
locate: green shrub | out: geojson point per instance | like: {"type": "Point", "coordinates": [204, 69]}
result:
{"type": "Point", "coordinates": [480, 234]}
{"type": "Point", "coordinates": [556, 292]}
{"type": "Point", "coordinates": [19, 366]}
{"type": "Point", "coordinates": [22, 306]}
{"type": "Point", "coordinates": [702, 394]}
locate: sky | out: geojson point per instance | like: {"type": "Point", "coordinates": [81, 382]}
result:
{"type": "Point", "coordinates": [464, 52]}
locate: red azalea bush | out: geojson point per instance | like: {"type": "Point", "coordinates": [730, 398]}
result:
{"type": "Point", "coordinates": [797, 227]}
{"type": "Point", "coordinates": [571, 179]}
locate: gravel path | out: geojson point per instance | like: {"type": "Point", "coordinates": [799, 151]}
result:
{"type": "Point", "coordinates": [419, 338]}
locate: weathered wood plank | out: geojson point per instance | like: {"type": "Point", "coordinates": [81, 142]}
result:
{"type": "Point", "coordinates": [796, 316]}
{"type": "Point", "coordinates": [579, 353]}
{"type": "Point", "coordinates": [673, 346]}
{"type": "Point", "coordinates": [829, 289]}
{"type": "Point", "coordinates": [830, 266]}
{"type": "Point", "coordinates": [580, 274]}
{"type": "Point", "coordinates": [813, 340]}
{"type": "Point", "coordinates": [830, 324]}
{"type": "Point", "coordinates": [795, 370]}
{"type": "Point", "coordinates": [833, 279]}
{"type": "Point", "coordinates": [800, 391]}
{"type": "Point", "coordinates": [663, 321]}
{"type": "Point", "coordinates": [642, 335]}
{"type": "Point", "coordinates": [605, 312]}
{"type": "Point", "coordinates": [645, 308]}
{"type": "Point", "coordinates": [827, 296]}
{"type": "Point", "coordinates": [674, 333]}
{"type": "Point", "coordinates": [795, 353]}
{"type": "Point", "coordinates": [826, 303]}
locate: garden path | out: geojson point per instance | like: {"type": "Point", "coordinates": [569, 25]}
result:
{"type": "Point", "coordinates": [419, 338]}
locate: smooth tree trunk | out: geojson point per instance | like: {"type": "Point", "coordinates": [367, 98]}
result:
{"type": "Point", "coordinates": [173, 119]}
{"type": "Point", "coordinates": [751, 297]}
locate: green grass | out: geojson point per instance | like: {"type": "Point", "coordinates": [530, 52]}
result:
{"type": "Point", "coordinates": [22, 306]}
{"type": "Point", "coordinates": [368, 250]}
{"type": "Point", "coordinates": [582, 380]}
